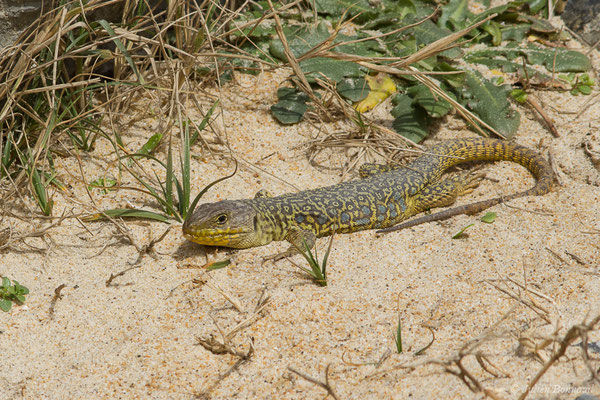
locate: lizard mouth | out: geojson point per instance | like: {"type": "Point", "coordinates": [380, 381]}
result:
{"type": "Point", "coordinates": [225, 237]}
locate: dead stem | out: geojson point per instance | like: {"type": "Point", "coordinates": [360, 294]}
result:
{"type": "Point", "coordinates": [575, 332]}
{"type": "Point", "coordinates": [325, 385]}
{"type": "Point", "coordinates": [57, 296]}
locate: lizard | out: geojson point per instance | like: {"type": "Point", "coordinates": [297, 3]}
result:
{"type": "Point", "coordinates": [385, 196]}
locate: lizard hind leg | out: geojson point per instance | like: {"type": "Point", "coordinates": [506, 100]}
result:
{"type": "Point", "coordinates": [445, 192]}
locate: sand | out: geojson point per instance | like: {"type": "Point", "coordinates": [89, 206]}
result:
{"type": "Point", "coordinates": [508, 292]}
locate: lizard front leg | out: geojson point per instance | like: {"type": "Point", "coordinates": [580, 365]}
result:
{"type": "Point", "coordinates": [299, 240]}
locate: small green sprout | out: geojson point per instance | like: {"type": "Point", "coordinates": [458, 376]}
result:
{"type": "Point", "coordinates": [317, 271]}
{"type": "Point", "coordinates": [489, 217]}
{"type": "Point", "coordinates": [519, 95]}
{"type": "Point", "coordinates": [10, 293]}
{"type": "Point", "coordinates": [462, 232]}
{"type": "Point", "coordinates": [104, 184]}
{"type": "Point", "coordinates": [398, 335]}
{"type": "Point", "coordinates": [218, 265]}
{"type": "Point", "coordinates": [580, 84]}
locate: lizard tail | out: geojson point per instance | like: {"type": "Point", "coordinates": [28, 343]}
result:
{"type": "Point", "coordinates": [459, 151]}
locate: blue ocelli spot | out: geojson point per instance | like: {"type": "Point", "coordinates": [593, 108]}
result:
{"type": "Point", "coordinates": [402, 204]}
{"type": "Point", "coordinates": [299, 218]}
{"type": "Point", "coordinates": [363, 221]}
{"type": "Point", "coordinates": [366, 210]}
{"type": "Point", "coordinates": [321, 219]}
{"type": "Point", "coordinates": [344, 217]}
{"type": "Point", "coordinates": [380, 218]}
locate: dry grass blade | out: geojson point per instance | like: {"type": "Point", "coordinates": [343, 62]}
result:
{"type": "Point", "coordinates": [325, 385]}
{"type": "Point", "coordinates": [575, 332]}
{"type": "Point", "coordinates": [440, 45]}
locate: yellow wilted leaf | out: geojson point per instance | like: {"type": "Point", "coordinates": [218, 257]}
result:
{"type": "Point", "coordinates": [381, 87]}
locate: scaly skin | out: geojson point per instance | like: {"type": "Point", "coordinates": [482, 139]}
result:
{"type": "Point", "coordinates": [384, 198]}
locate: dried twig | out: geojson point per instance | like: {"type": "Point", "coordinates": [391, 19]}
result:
{"type": "Point", "coordinates": [575, 332]}
{"type": "Point", "coordinates": [325, 385]}
{"type": "Point", "coordinates": [57, 296]}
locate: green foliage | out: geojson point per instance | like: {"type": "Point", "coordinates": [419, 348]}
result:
{"type": "Point", "coordinates": [55, 89]}
{"type": "Point", "coordinates": [489, 217]}
{"type": "Point", "coordinates": [490, 103]}
{"type": "Point", "coordinates": [436, 107]}
{"type": "Point", "coordinates": [461, 233]}
{"type": "Point", "coordinates": [353, 89]}
{"type": "Point", "coordinates": [519, 95]}
{"type": "Point", "coordinates": [398, 335]}
{"type": "Point", "coordinates": [173, 195]}
{"type": "Point", "coordinates": [486, 100]}
{"type": "Point", "coordinates": [409, 121]}
{"type": "Point", "coordinates": [300, 41]}
{"type": "Point", "coordinates": [291, 105]}
{"type": "Point", "coordinates": [318, 270]}
{"type": "Point", "coordinates": [104, 184]}
{"type": "Point", "coordinates": [580, 84]}
{"type": "Point", "coordinates": [126, 213]}
{"type": "Point", "coordinates": [218, 265]}
{"type": "Point", "coordinates": [555, 59]}
{"type": "Point", "coordinates": [337, 7]}
{"type": "Point", "coordinates": [11, 293]}
{"type": "Point", "coordinates": [40, 192]}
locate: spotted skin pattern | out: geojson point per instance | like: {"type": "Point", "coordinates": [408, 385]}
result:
{"type": "Point", "coordinates": [385, 197]}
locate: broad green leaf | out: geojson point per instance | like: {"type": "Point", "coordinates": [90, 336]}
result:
{"type": "Point", "coordinates": [300, 41]}
{"type": "Point", "coordinates": [409, 122]}
{"type": "Point", "coordinates": [428, 32]}
{"type": "Point", "coordinates": [291, 106]}
{"type": "Point", "coordinates": [288, 112]}
{"type": "Point", "coordinates": [453, 80]}
{"type": "Point", "coordinates": [20, 288]}
{"type": "Point", "coordinates": [538, 24]}
{"type": "Point", "coordinates": [493, 28]}
{"type": "Point", "coordinates": [337, 7]}
{"type": "Point", "coordinates": [515, 32]}
{"type": "Point", "coordinates": [389, 14]}
{"type": "Point", "coordinates": [5, 305]}
{"type": "Point", "coordinates": [490, 103]}
{"type": "Point", "coordinates": [489, 217]}
{"type": "Point", "coordinates": [328, 68]}
{"type": "Point", "coordinates": [536, 5]}
{"type": "Point", "coordinates": [435, 106]}
{"type": "Point", "coordinates": [508, 66]}
{"type": "Point", "coordinates": [494, 10]}
{"type": "Point", "coordinates": [454, 14]}
{"type": "Point", "coordinates": [353, 89]}
{"type": "Point", "coordinates": [556, 59]}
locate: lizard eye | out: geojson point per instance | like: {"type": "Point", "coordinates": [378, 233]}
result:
{"type": "Point", "coordinates": [221, 219]}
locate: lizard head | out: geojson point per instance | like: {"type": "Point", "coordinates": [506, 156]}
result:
{"type": "Point", "coordinates": [226, 223]}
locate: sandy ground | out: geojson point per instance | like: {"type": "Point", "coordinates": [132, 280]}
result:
{"type": "Point", "coordinates": [499, 293]}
